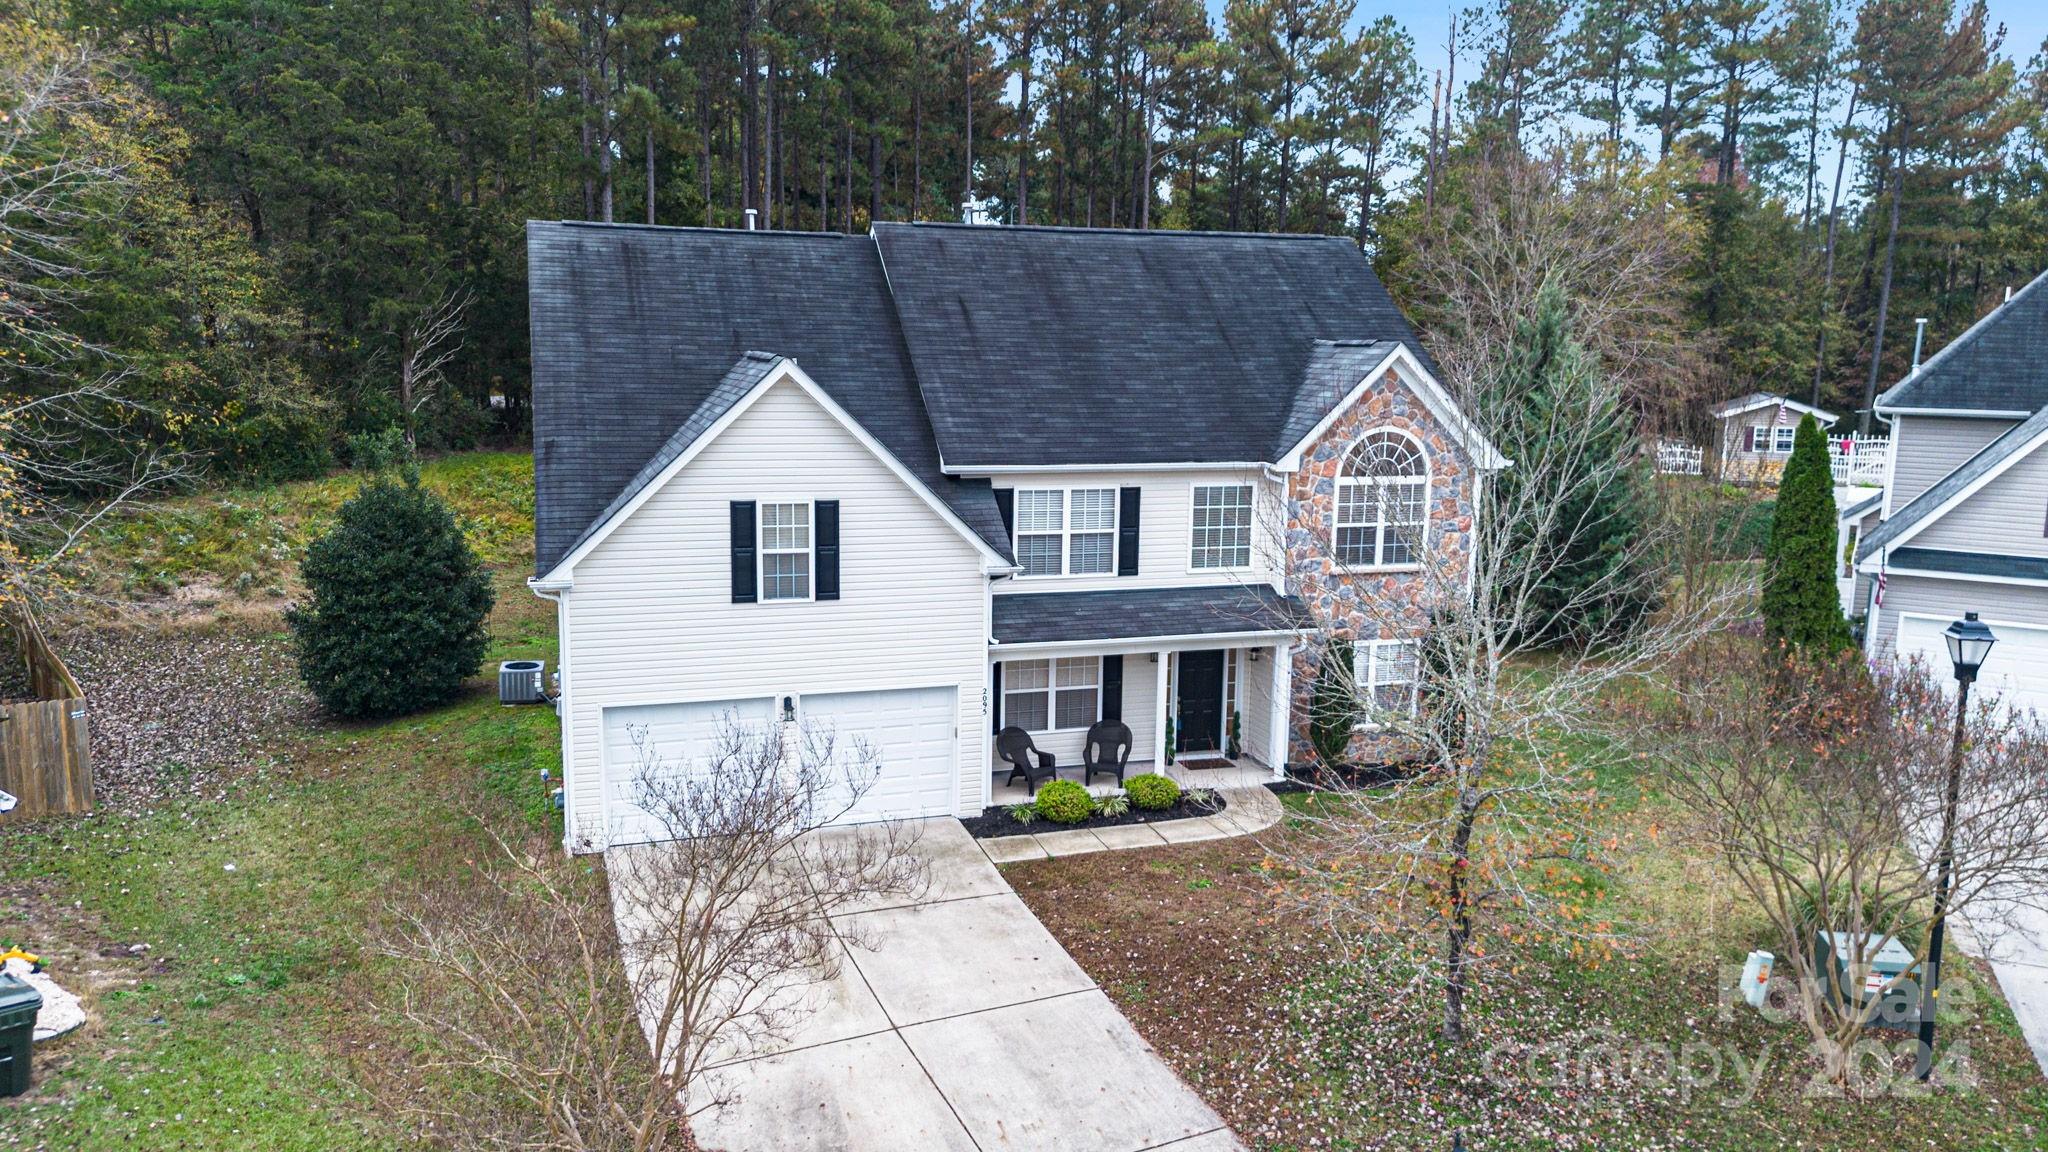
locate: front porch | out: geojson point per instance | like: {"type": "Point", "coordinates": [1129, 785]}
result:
{"type": "Point", "coordinates": [1215, 775]}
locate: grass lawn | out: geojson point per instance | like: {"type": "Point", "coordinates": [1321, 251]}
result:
{"type": "Point", "coordinates": [1300, 1050]}
{"type": "Point", "coordinates": [242, 1024]}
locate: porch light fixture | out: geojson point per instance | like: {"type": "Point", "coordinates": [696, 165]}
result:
{"type": "Point", "coordinates": [788, 710]}
{"type": "Point", "coordinates": [1253, 655]}
{"type": "Point", "coordinates": [1969, 642]}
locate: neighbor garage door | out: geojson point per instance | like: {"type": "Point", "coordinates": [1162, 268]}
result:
{"type": "Point", "coordinates": [654, 744]}
{"type": "Point", "coordinates": [914, 741]}
{"type": "Point", "coordinates": [2017, 669]}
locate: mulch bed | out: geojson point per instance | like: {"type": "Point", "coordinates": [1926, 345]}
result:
{"type": "Point", "coordinates": [997, 821]}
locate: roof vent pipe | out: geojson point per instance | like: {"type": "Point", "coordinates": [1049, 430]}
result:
{"type": "Point", "coordinates": [753, 212]}
{"type": "Point", "coordinates": [2008, 294]}
{"type": "Point", "coordinates": [1919, 334]}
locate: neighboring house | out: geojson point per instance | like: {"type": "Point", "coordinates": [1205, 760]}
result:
{"type": "Point", "coordinates": [1857, 511]}
{"type": "Point", "coordinates": [1965, 524]}
{"type": "Point", "coordinates": [1756, 434]}
{"type": "Point", "coordinates": [925, 483]}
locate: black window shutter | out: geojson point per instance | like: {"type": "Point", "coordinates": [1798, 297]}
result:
{"type": "Point", "coordinates": [827, 527]}
{"type": "Point", "coordinates": [1113, 686]}
{"type": "Point", "coordinates": [995, 704]}
{"type": "Point", "coordinates": [1127, 532]}
{"type": "Point", "coordinates": [743, 552]}
{"type": "Point", "coordinates": [1006, 503]}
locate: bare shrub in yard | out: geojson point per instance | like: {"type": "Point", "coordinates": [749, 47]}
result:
{"type": "Point", "coordinates": [1823, 786]}
{"type": "Point", "coordinates": [723, 927]}
{"type": "Point", "coordinates": [512, 983]}
{"type": "Point", "coordinates": [562, 1013]}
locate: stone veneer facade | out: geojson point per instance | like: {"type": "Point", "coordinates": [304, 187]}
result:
{"type": "Point", "coordinates": [1378, 605]}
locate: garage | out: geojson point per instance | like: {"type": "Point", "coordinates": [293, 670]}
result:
{"type": "Point", "coordinates": [913, 733]}
{"type": "Point", "coordinates": [2016, 671]}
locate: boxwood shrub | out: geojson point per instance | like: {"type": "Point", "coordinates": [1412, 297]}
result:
{"type": "Point", "coordinates": [1152, 791]}
{"type": "Point", "coordinates": [1064, 802]}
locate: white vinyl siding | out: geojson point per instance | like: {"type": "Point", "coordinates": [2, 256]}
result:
{"type": "Point", "coordinates": [1947, 600]}
{"type": "Point", "coordinates": [2008, 516]}
{"type": "Point", "coordinates": [1165, 532]}
{"type": "Point", "coordinates": [651, 618]}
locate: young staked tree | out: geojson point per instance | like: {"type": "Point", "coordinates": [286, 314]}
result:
{"type": "Point", "coordinates": [1485, 853]}
{"type": "Point", "coordinates": [1823, 791]}
{"type": "Point", "coordinates": [1801, 606]}
{"type": "Point", "coordinates": [395, 618]}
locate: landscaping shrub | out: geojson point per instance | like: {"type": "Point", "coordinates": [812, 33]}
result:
{"type": "Point", "coordinates": [398, 601]}
{"type": "Point", "coordinates": [1152, 792]}
{"type": "Point", "coordinates": [1800, 604]}
{"type": "Point", "coordinates": [1064, 802]}
{"type": "Point", "coordinates": [1114, 804]}
{"type": "Point", "coordinates": [1333, 705]}
{"type": "Point", "coordinates": [1023, 813]}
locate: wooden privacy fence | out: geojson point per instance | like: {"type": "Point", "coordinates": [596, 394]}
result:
{"type": "Point", "coordinates": [45, 762]}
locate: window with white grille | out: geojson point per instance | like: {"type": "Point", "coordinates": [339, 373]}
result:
{"type": "Point", "coordinates": [1222, 527]}
{"type": "Point", "coordinates": [786, 551]}
{"type": "Point", "coordinates": [1382, 502]}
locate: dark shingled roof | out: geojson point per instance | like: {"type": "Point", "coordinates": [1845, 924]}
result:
{"type": "Point", "coordinates": [1053, 346]}
{"type": "Point", "coordinates": [635, 328]}
{"type": "Point", "coordinates": [1971, 563]}
{"type": "Point", "coordinates": [1998, 367]}
{"type": "Point", "coordinates": [1052, 617]}
{"type": "Point", "coordinates": [1987, 458]}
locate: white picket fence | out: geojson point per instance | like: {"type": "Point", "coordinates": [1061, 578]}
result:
{"type": "Point", "coordinates": [1859, 460]}
{"type": "Point", "coordinates": [1676, 458]}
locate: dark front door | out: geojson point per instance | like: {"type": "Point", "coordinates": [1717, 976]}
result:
{"type": "Point", "coordinates": [1199, 702]}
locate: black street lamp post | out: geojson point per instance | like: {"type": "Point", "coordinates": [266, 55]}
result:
{"type": "Point", "coordinates": [1969, 642]}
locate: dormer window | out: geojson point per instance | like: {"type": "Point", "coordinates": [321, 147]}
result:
{"type": "Point", "coordinates": [1382, 501]}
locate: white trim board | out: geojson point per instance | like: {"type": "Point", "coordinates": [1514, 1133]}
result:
{"type": "Point", "coordinates": [785, 369]}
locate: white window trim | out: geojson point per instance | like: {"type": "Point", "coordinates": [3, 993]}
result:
{"type": "Point", "coordinates": [761, 551]}
{"type": "Point", "coordinates": [1365, 661]}
{"type": "Point", "coordinates": [1051, 693]}
{"type": "Point", "coordinates": [1251, 528]}
{"type": "Point", "coordinates": [1336, 500]}
{"type": "Point", "coordinates": [1788, 433]}
{"type": "Point", "coordinates": [1067, 533]}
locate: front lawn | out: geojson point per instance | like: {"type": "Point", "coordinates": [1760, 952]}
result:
{"type": "Point", "coordinates": [1299, 1050]}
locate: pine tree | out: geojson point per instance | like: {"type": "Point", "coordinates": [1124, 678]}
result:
{"type": "Point", "coordinates": [396, 620]}
{"type": "Point", "coordinates": [1584, 595]}
{"type": "Point", "coordinates": [1800, 604]}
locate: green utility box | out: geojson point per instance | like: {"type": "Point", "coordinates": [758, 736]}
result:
{"type": "Point", "coordinates": [1887, 988]}
{"type": "Point", "coordinates": [19, 1004]}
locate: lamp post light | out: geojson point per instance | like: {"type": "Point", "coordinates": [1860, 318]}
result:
{"type": "Point", "coordinates": [1969, 642]}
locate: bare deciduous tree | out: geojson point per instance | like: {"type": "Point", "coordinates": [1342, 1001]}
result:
{"type": "Point", "coordinates": [1822, 787]}
{"type": "Point", "coordinates": [428, 338]}
{"type": "Point", "coordinates": [562, 1016]}
{"type": "Point", "coordinates": [1488, 843]}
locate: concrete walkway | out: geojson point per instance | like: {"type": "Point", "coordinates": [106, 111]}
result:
{"type": "Point", "coordinates": [965, 1027]}
{"type": "Point", "coordinates": [1245, 811]}
{"type": "Point", "coordinates": [2013, 939]}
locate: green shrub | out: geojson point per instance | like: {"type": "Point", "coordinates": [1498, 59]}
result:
{"type": "Point", "coordinates": [1333, 704]}
{"type": "Point", "coordinates": [1064, 802]}
{"type": "Point", "coordinates": [398, 601]}
{"type": "Point", "coordinates": [1152, 792]}
{"type": "Point", "coordinates": [1023, 813]}
{"type": "Point", "coordinates": [1114, 804]}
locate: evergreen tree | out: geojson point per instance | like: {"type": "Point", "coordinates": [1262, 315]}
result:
{"type": "Point", "coordinates": [396, 619]}
{"type": "Point", "coordinates": [1333, 705]}
{"type": "Point", "coordinates": [1800, 604]}
{"type": "Point", "coordinates": [1552, 381]}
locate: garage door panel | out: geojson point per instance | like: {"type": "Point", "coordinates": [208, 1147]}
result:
{"type": "Point", "coordinates": [912, 737]}
{"type": "Point", "coordinates": [2017, 670]}
{"type": "Point", "coordinates": [681, 735]}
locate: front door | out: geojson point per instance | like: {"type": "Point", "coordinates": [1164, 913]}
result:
{"type": "Point", "coordinates": [1199, 702]}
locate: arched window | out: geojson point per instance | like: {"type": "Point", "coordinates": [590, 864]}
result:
{"type": "Point", "coordinates": [1382, 501]}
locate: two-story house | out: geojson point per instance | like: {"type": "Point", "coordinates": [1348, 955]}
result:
{"type": "Point", "coordinates": [1965, 515]}
{"type": "Point", "coordinates": [930, 482]}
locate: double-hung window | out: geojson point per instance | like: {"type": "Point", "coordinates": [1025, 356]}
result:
{"type": "Point", "coordinates": [1222, 527]}
{"type": "Point", "coordinates": [786, 551]}
{"type": "Point", "coordinates": [1066, 532]}
{"type": "Point", "coordinates": [1052, 695]}
{"type": "Point", "coordinates": [1782, 439]}
{"type": "Point", "coordinates": [1382, 500]}
{"type": "Point", "coordinates": [1387, 674]}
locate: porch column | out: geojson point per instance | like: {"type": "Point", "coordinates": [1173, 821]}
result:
{"type": "Point", "coordinates": [1283, 691]}
{"type": "Point", "coordinates": [1159, 718]}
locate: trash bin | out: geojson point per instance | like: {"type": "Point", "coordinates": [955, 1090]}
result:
{"type": "Point", "coordinates": [19, 1004]}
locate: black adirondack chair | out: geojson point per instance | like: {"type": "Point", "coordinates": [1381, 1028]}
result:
{"type": "Point", "coordinates": [1107, 749]}
{"type": "Point", "coordinates": [1014, 745]}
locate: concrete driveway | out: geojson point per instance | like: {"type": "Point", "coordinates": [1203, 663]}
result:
{"type": "Point", "coordinates": [2013, 938]}
{"type": "Point", "coordinates": [966, 1026]}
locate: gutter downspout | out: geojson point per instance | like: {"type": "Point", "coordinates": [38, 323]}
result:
{"type": "Point", "coordinates": [557, 592]}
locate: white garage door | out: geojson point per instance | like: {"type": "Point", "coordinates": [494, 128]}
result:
{"type": "Point", "coordinates": [913, 737]}
{"type": "Point", "coordinates": [679, 736]}
{"type": "Point", "coordinates": [2017, 669]}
